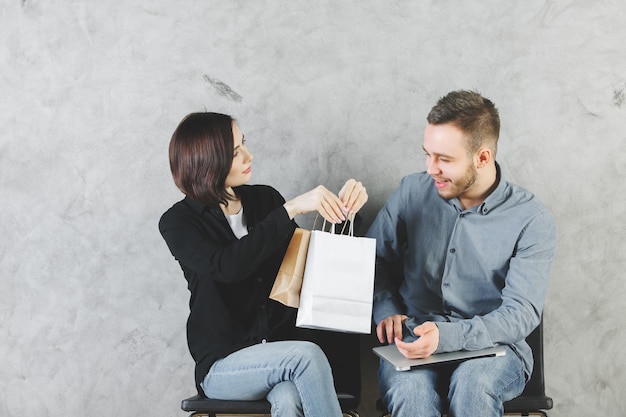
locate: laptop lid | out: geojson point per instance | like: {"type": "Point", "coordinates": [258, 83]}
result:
{"type": "Point", "coordinates": [391, 354]}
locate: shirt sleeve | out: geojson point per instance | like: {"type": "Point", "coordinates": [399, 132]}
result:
{"type": "Point", "coordinates": [522, 297]}
{"type": "Point", "coordinates": [389, 230]}
{"type": "Point", "coordinates": [222, 259]}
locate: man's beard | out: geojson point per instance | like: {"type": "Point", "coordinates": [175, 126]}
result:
{"type": "Point", "coordinates": [460, 186]}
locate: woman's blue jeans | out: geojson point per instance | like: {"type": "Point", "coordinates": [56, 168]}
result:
{"type": "Point", "coordinates": [477, 387]}
{"type": "Point", "coordinates": [294, 376]}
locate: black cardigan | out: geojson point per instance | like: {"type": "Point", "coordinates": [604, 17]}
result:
{"type": "Point", "coordinates": [230, 279]}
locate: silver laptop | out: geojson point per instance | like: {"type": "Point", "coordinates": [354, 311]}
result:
{"type": "Point", "coordinates": [391, 354]}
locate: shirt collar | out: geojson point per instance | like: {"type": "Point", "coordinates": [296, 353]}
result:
{"type": "Point", "coordinates": [196, 206]}
{"type": "Point", "coordinates": [199, 207]}
{"type": "Point", "coordinates": [497, 196]}
{"type": "Point", "coordinates": [493, 200]}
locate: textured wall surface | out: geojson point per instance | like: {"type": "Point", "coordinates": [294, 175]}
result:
{"type": "Point", "coordinates": [93, 306]}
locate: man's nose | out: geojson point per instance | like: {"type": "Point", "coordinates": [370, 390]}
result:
{"type": "Point", "coordinates": [432, 168]}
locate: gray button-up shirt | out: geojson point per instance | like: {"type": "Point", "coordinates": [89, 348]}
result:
{"type": "Point", "coordinates": [481, 274]}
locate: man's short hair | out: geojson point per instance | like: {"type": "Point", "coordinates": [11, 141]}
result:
{"type": "Point", "coordinates": [475, 115]}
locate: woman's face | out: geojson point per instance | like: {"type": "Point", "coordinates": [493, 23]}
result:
{"type": "Point", "coordinates": [241, 168]}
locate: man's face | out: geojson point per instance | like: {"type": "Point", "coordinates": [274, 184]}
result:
{"type": "Point", "coordinates": [447, 160]}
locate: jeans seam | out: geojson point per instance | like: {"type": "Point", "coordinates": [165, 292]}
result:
{"type": "Point", "coordinates": [265, 369]}
{"type": "Point", "coordinates": [511, 382]}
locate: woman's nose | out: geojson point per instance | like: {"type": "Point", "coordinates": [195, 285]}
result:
{"type": "Point", "coordinates": [249, 156]}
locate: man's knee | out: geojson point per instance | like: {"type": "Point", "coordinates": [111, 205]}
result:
{"type": "Point", "coordinates": [470, 382]}
{"type": "Point", "coordinates": [410, 394]}
{"type": "Point", "coordinates": [485, 376]}
{"type": "Point", "coordinates": [474, 388]}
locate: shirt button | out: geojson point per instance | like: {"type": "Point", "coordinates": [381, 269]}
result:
{"type": "Point", "coordinates": [259, 279]}
{"type": "Point", "coordinates": [262, 306]}
{"type": "Point", "coordinates": [452, 250]}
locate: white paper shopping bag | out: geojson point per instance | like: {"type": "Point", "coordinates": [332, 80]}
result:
{"type": "Point", "coordinates": [338, 283]}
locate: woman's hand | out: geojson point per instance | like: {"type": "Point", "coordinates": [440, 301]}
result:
{"type": "Point", "coordinates": [353, 195]}
{"type": "Point", "coordinates": [331, 207]}
{"type": "Point", "coordinates": [319, 199]}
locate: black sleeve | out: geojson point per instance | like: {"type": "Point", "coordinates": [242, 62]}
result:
{"type": "Point", "coordinates": [203, 245]}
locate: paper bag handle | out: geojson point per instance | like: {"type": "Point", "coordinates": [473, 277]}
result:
{"type": "Point", "coordinates": [350, 219]}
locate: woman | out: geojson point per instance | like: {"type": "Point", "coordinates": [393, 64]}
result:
{"type": "Point", "coordinates": [229, 239]}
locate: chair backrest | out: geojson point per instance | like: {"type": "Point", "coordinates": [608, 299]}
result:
{"type": "Point", "coordinates": [533, 400]}
{"type": "Point", "coordinates": [536, 385]}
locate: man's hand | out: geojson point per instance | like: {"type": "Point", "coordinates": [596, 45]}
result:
{"type": "Point", "coordinates": [423, 347]}
{"type": "Point", "coordinates": [390, 328]}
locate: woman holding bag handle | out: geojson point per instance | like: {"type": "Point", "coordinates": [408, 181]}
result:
{"type": "Point", "coordinates": [229, 239]}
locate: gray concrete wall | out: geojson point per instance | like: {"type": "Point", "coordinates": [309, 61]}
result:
{"type": "Point", "coordinates": [93, 306]}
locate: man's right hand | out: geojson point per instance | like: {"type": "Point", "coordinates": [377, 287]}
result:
{"type": "Point", "coordinates": [390, 328]}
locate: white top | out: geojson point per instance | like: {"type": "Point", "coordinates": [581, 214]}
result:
{"type": "Point", "coordinates": [237, 223]}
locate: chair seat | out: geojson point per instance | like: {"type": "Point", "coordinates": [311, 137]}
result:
{"type": "Point", "coordinates": [525, 404]}
{"type": "Point", "coordinates": [202, 404]}
{"type": "Point", "coordinates": [521, 405]}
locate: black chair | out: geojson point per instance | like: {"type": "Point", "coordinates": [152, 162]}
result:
{"type": "Point", "coordinates": [342, 350]}
{"type": "Point", "coordinates": [202, 406]}
{"type": "Point", "coordinates": [533, 400]}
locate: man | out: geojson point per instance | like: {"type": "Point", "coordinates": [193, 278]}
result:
{"type": "Point", "coordinates": [474, 253]}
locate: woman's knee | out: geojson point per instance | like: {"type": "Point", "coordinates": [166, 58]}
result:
{"type": "Point", "coordinates": [309, 348]}
{"type": "Point", "coordinates": [285, 400]}
{"type": "Point", "coordinates": [310, 352]}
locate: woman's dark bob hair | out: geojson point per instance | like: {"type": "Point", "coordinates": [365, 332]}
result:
{"type": "Point", "coordinates": [201, 155]}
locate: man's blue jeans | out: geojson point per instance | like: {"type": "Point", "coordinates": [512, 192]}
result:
{"type": "Point", "coordinates": [476, 387]}
{"type": "Point", "coordinates": [294, 376]}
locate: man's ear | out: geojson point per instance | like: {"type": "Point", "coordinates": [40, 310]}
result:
{"type": "Point", "coordinates": [483, 157]}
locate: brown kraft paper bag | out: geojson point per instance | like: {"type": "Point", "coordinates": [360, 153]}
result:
{"type": "Point", "coordinates": [288, 281]}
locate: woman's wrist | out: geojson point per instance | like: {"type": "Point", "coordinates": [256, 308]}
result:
{"type": "Point", "coordinates": [291, 209]}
